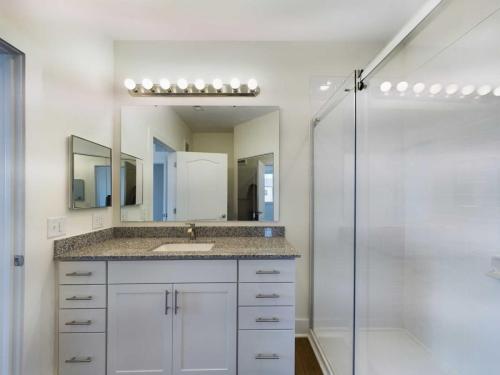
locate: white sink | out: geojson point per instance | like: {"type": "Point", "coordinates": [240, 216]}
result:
{"type": "Point", "coordinates": [188, 247]}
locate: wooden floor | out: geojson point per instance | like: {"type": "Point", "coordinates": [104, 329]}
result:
{"type": "Point", "coordinates": [305, 360]}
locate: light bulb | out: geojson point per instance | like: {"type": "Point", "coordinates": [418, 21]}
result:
{"type": "Point", "coordinates": [217, 84]}
{"type": "Point", "coordinates": [467, 90]}
{"type": "Point", "coordinates": [164, 84]}
{"type": "Point", "coordinates": [129, 84]}
{"type": "Point", "coordinates": [253, 84]}
{"type": "Point", "coordinates": [402, 86]}
{"type": "Point", "coordinates": [199, 84]}
{"type": "Point", "coordinates": [235, 83]}
{"type": "Point", "coordinates": [147, 83]}
{"type": "Point", "coordinates": [435, 88]}
{"type": "Point", "coordinates": [418, 88]}
{"type": "Point", "coordinates": [324, 87]}
{"type": "Point", "coordinates": [385, 86]}
{"type": "Point", "coordinates": [451, 89]}
{"type": "Point", "coordinates": [182, 83]}
{"type": "Point", "coordinates": [484, 90]}
{"type": "Point", "coordinates": [497, 91]}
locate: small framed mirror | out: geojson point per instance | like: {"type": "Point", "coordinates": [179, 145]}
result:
{"type": "Point", "coordinates": [90, 174]}
{"type": "Point", "coordinates": [131, 175]}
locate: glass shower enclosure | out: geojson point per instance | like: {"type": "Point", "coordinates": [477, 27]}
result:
{"type": "Point", "coordinates": [406, 238]}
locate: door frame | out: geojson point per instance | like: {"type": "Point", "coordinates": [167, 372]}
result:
{"type": "Point", "coordinates": [13, 217]}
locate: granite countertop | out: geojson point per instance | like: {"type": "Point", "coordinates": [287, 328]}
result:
{"type": "Point", "coordinates": [224, 248]}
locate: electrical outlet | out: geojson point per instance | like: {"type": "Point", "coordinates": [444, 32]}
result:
{"type": "Point", "coordinates": [56, 226]}
{"type": "Point", "coordinates": [97, 221]}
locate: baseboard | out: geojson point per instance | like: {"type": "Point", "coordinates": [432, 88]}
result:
{"type": "Point", "coordinates": [323, 363]}
{"type": "Point", "coordinates": [302, 327]}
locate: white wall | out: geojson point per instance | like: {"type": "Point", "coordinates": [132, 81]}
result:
{"type": "Point", "coordinates": [284, 71]}
{"type": "Point", "coordinates": [140, 125]}
{"type": "Point", "coordinates": [68, 91]}
{"type": "Point", "coordinates": [260, 136]}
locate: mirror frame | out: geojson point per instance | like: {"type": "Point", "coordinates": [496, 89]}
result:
{"type": "Point", "coordinates": [72, 172]}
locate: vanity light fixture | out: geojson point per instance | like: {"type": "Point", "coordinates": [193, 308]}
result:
{"type": "Point", "coordinates": [402, 86]}
{"type": "Point", "coordinates": [129, 84]}
{"type": "Point", "coordinates": [497, 91]}
{"type": "Point", "coordinates": [484, 90]}
{"type": "Point", "coordinates": [182, 87]}
{"type": "Point", "coordinates": [467, 90]}
{"type": "Point", "coordinates": [451, 89]}
{"type": "Point", "coordinates": [385, 87]}
{"type": "Point", "coordinates": [199, 84]}
{"type": "Point", "coordinates": [435, 89]}
{"type": "Point", "coordinates": [147, 83]}
{"type": "Point", "coordinates": [165, 84]}
{"type": "Point", "coordinates": [418, 88]}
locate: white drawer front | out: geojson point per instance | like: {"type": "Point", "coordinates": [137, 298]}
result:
{"type": "Point", "coordinates": [172, 271]}
{"type": "Point", "coordinates": [82, 273]}
{"type": "Point", "coordinates": [82, 296]}
{"type": "Point", "coordinates": [266, 352]}
{"type": "Point", "coordinates": [267, 317]}
{"type": "Point", "coordinates": [82, 354]}
{"type": "Point", "coordinates": [271, 270]}
{"type": "Point", "coordinates": [82, 320]}
{"type": "Point", "coordinates": [267, 294]}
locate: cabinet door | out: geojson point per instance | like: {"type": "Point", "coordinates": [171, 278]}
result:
{"type": "Point", "coordinates": [140, 329]}
{"type": "Point", "coordinates": [205, 329]}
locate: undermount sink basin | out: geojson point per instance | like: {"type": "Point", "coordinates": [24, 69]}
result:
{"type": "Point", "coordinates": [188, 247]}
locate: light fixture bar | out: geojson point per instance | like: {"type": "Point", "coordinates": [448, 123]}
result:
{"type": "Point", "coordinates": [191, 90]}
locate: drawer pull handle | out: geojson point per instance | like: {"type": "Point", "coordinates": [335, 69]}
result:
{"type": "Point", "coordinates": [79, 360]}
{"type": "Point", "coordinates": [79, 323]}
{"type": "Point", "coordinates": [267, 320]}
{"type": "Point", "coordinates": [267, 356]}
{"type": "Point", "coordinates": [271, 272]}
{"type": "Point", "coordinates": [274, 295]}
{"type": "Point", "coordinates": [79, 274]}
{"type": "Point", "coordinates": [76, 298]}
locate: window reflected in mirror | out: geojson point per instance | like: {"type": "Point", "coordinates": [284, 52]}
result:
{"type": "Point", "coordinates": [214, 163]}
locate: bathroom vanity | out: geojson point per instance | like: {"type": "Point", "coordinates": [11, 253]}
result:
{"type": "Point", "coordinates": [124, 308]}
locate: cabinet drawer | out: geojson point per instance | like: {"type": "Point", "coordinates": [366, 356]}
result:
{"type": "Point", "coordinates": [267, 294]}
{"type": "Point", "coordinates": [82, 354]}
{"type": "Point", "coordinates": [172, 271]}
{"type": "Point", "coordinates": [267, 317]}
{"type": "Point", "coordinates": [267, 270]}
{"type": "Point", "coordinates": [82, 273]}
{"type": "Point", "coordinates": [82, 320]}
{"type": "Point", "coordinates": [82, 296]}
{"type": "Point", "coordinates": [266, 352]}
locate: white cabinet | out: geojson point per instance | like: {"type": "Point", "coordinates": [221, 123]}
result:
{"type": "Point", "coordinates": [140, 329]}
{"type": "Point", "coordinates": [205, 329]}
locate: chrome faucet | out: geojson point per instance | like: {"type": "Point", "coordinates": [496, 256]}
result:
{"type": "Point", "coordinates": [191, 231]}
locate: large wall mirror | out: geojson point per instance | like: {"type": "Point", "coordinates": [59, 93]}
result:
{"type": "Point", "coordinates": [90, 181]}
{"type": "Point", "coordinates": [213, 163]}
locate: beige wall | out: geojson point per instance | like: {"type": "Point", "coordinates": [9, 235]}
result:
{"type": "Point", "coordinates": [69, 78]}
{"type": "Point", "coordinates": [284, 71]}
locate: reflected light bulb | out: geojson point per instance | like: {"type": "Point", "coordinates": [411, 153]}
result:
{"type": "Point", "coordinates": [385, 86]}
{"type": "Point", "coordinates": [235, 83]}
{"type": "Point", "coordinates": [418, 88]}
{"type": "Point", "coordinates": [252, 84]}
{"type": "Point", "coordinates": [129, 84]}
{"type": "Point", "coordinates": [484, 90]}
{"type": "Point", "coordinates": [217, 84]}
{"type": "Point", "coordinates": [182, 83]}
{"type": "Point", "coordinates": [164, 84]}
{"type": "Point", "coordinates": [435, 88]}
{"type": "Point", "coordinates": [497, 91]}
{"type": "Point", "coordinates": [452, 89]}
{"type": "Point", "coordinates": [324, 87]}
{"type": "Point", "coordinates": [199, 84]}
{"type": "Point", "coordinates": [402, 86]}
{"type": "Point", "coordinates": [147, 83]}
{"type": "Point", "coordinates": [467, 90]}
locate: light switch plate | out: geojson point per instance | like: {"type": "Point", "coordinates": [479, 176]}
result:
{"type": "Point", "coordinates": [97, 221]}
{"type": "Point", "coordinates": [56, 226]}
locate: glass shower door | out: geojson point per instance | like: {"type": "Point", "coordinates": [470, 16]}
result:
{"type": "Point", "coordinates": [333, 283]}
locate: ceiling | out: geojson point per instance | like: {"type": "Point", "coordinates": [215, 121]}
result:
{"type": "Point", "coordinates": [234, 20]}
{"type": "Point", "coordinates": [218, 118]}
